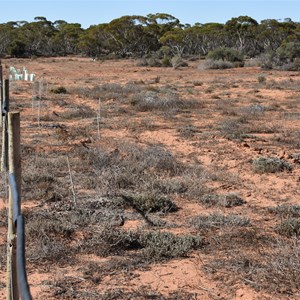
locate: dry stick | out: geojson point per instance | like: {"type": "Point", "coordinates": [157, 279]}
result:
{"type": "Point", "coordinates": [71, 181]}
{"type": "Point", "coordinates": [40, 93]}
{"type": "Point", "coordinates": [41, 87]}
{"type": "Point", "coordinates": [46, 91]}
{"type": "Point", "coordinates": [98, 118]}
{"type": "Point", "coordinates": [14, 167]}
{"type": "Point", "coordinates": [32, 98]}
{"type": "Point", "coordinates": [39, 111]}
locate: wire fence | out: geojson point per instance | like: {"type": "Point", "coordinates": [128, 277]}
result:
{"type": "Point", "coordinates": [17, 285]}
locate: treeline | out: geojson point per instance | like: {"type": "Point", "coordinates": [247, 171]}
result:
{"type": "Point", "coordinates": [137, 36]}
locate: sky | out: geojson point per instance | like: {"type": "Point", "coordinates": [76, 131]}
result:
{"type": "Point", "coordinates": [91, 12]}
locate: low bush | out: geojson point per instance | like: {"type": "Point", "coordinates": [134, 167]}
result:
{"type": "Point", "coordinates": [261, 78]}
{"type": "Point", "coordinates": [289, 227]}
{"type": "Point", "coordinates": [225, 54]}
{"type": "Point", "coordinates": [166, 62]}
{"type": "Point", "coordinates": [286, 210]}
{"type": "Point", "coordinates": [149, 203]}
{"type": "Point", "coordinates": [235, 128]}
{"type": "Point", "coordinates": [162, 245]}
{"type": "Point", "coordinates": [58, 90]}
{"type": "Point", "coordinates": [270, 165]}
{"type": "Point", "coordinates": [109, 241]}
{"type": "Point", "coordinates": [216, 64]}
{"type": "Point", "coordinates": [229, 200]}
{"type": "Point", "coordinates": [217, 221]}
{"type": "Point", "coordinates": [161, 100]}
{"type": "Point", "coordinates": [177, 62]}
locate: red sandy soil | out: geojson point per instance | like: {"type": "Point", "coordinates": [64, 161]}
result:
{"type": "Point", "coordinates": [229, 159]}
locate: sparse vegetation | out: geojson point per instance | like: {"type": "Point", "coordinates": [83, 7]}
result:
{"type": "Point", "coordinates": [286, 210]}
{"type": "Point", "coordinates": [270, 165]}
{"type": "Point", "coordinates": [164, 100]}
{"type": "Point", "coordinates": [217, 221]}
{"type": "Point", "coordinates": [289, 227]}
{"type": "Point", "coordinates": [216, 64]}
{"type": "Point", "coordinates": [159, 246]}
{"type": "Point", "coordinates": [229, 200]}
{"type": "Point", "coordinates": [166, 174]}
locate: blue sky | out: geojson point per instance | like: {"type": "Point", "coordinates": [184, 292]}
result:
{"type": "Point", "coordinates": [90, 12]}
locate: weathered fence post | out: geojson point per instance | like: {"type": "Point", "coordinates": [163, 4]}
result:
{"type": "Point", "coordinates": [1, 89]}
{"type": "Point", "coordinates": [14, 167]}
{"type": "Point", "coordinates": [5, 108]}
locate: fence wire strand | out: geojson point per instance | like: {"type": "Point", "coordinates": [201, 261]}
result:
{"type": "Point", "coordinates": [18, 221]}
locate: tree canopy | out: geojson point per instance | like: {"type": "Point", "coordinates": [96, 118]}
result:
{"type": "Point", "coordinates": [136, 36]}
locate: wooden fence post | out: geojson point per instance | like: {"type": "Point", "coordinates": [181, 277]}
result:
{"type": "Point", "coordinates": [14, 166]}
{"type": "Point", "coordinates": [1, 91]}
{"type": "Point", "coordinates": [5, 106]}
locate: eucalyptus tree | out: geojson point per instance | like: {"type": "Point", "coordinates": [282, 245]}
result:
{"type": "Point", "coordinates": [37, 36]}
{"type": "Point", "coordinates": [128, 35]}
{"type": "Point", "coordinates": [94, 41]}
{"type": "Point", "coordinates": [272, 33]}
{"type": "Point", "coordinates": [176, 40]}
{"type": "Point", "coordinates": [206, 37]}
{"type": "Point", "coordinates": [66, 38]}
{"type": "Point", "coordinates": [241, 33]}
{"type": "Point", "coordinates": [160, 23]}
{"type": "Point", "coordinates": [7, 33]}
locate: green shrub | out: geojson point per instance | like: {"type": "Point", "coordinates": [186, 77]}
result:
{"type": "Point", "coordinates": [287, 52]}
{"type": "Point", "coordinates": [166, 62]}
{"type": "Point", "coordinates": [270, 165]}
{"type": "Point", "coordinates": [225, 54]}
{"type": "Point", "coordinates": [267, 60]}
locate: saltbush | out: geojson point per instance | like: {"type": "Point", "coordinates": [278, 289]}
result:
{"type": "Point", "coordinates": [270, 165]}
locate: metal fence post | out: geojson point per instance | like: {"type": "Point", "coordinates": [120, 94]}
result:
{"type": "Point", "coordinates": [14, 167]}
